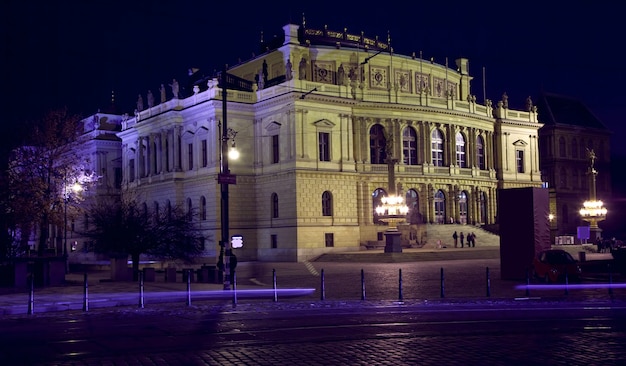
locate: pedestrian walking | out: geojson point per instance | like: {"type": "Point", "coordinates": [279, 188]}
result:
{"type": "Point", "coordinates": [471, 240]}
{"type": "Point", "coordinates": [461, 236]}
{"type": "Point", "coordinates": [455, 237]}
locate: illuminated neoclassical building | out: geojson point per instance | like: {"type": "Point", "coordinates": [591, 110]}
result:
{"type": "Point", "coordinates": [316, 118]}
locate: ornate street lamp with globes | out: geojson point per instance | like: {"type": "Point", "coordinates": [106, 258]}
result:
{"type": "Point", "coordinates": [593, 210]}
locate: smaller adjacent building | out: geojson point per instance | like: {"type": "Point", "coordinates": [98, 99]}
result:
{"type": "Point", "coordinates": [570, 133]}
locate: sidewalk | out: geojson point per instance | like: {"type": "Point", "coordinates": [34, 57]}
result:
{"type": "Point", "coordinates": [101, 292]}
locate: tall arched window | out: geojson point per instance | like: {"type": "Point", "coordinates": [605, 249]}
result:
{"type": "Point", "coordinates": [583, 149]}
{"type": "Point", "coordinates": [327, 204]}
{"type": "Point", "coordinates": [409, 146]}
{"type": "Point", "coordinates": [202, 208]}
{"type": "Point", "coordinates": [436, 147]}
{"type": "Point", "coordinates": [168, 208]}
{"type": "Point", "coordinates": [460, 150]}
{"type": "Point", "coordinates": [575, 179]}
{"type": "Point", "coordinates": [274, 205]}
{"type": "Point", "coordinates": [574, 148]}
{"type": "Point", "coordinates": [412, 202]}
{"type": "Point", "coordinates": [562, 152]}
{"type": "Point", "coordinates": [377, 196]}
{"type": "Point", "coordinates": [563, 178]}
{"type": "Point", "coordinates": [564, 214]}
{"type": "Point", "coordinates": [378, 145]}
{"type": "Point", "coordinates": [440, 207]}
{"type": "Point", "coordinates": [480, 152]}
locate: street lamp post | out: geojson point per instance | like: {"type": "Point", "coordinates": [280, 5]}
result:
{"type": "Point", "coordinates": [75, 188]}
{"type": "Point", "coordinates": [393, 211]}
{"type": "Point", "coordinates": [225, 179]}
{"type": "Point", "coordinates": [593, 210]}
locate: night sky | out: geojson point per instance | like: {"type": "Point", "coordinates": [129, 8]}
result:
{"type": "Point", "coordinates": [76, 52]}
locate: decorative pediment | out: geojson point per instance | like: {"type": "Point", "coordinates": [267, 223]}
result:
{"type": "Point", "coordinates": [324, 123]}
{"type": "Point", "coordinates": [520, 143]}
{"type": "Point", "coordinates": [273, 127]}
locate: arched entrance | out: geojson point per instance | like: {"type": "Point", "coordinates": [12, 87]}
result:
{"type": "Point", "coordinates": [440, 207]}
{"type": "Point", "coordinates": [463, 207]}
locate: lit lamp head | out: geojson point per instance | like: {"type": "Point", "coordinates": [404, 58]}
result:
{"type": "Point", "coordinates": [233, 153]}
{"type": "Point", "coordinates": [593, 209]}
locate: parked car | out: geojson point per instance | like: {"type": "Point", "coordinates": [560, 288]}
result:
{"type": "Point", "coordinates": [551, 266]}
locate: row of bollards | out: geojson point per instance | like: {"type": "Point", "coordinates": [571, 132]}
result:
{"type": "Point", "coordinates": [31, 295]}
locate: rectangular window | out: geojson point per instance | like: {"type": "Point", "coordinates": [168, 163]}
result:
{"type": "Point", "coordinates": [460, 156]}
{"type": "Point", "coordinates": [190, 155]}
{"type": "Point", "coordinates": [519, 157]}
{"type": "Point", "coordinates": [205, 161]}
{"type": "Point", "coordinates": [324, 146]}
{"type": "Point", "coordinates": [275, 150]}
{"type": "Point", "coordinates": [274, 239]}
{"type": "Point", "coordinates": [437, 153]}
{"type": "Point", "coordinates": [329, 240]}
{"type": "Point", "coordinates": [131, 170]}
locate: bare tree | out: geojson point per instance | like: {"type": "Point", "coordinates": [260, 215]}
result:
{"type": "Point", "coordinates": [40, 171]}
{"type": "Point", "coordinates": [122, 228]}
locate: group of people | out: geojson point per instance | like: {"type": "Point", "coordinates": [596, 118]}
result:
{"type": "Point", "coordinates": [471, 239]}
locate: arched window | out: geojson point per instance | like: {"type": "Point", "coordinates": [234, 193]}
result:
{"type": "Point", "coordinates": [409, 146]}
{"type": "Point", "coordinates": [460, 150]}
{"type": "Point", "coordinates": [412, 202]}
{"type": "Point", "coordinates": [440, 207]}
{"type": "Point", "coordinates": [575, 179]}
{"type": "Point", "coordinates": [563, 178]}
{"type": "Point", "coordinates": [574, 148]}
{"type": "Point", "coordinates": [274, 205]}
{"type": "Point", "coordinates": [378, 145]}
{"type": "Point", "coordinates": [145, 210]}
{"type": "Point", "coordinates": [168, 207]}
{"type": "Point", "coordinates": [583, 149]}
{"type": "Point", "coordinates": [202, 208]}
{"type": "Point", "coordinates": [436, 147]}
{"type": "Point", "coordinates": [377, 196]}
{"type": "Point", "coordinates": [562, 153]}
{"type": "Point", "coordinates": [327, 204]}
{"type": "Point", "coordinates": [480, 152]}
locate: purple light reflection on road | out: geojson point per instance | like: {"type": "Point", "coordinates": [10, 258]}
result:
{"type": "Point", "coordinates": [571, 286]}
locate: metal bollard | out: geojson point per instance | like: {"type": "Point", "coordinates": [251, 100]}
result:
{"type": "Point", "coordinates": [322, 287]}
{"type": "Point", "coordinates": [400, 297]}
{"type": "Point", "coordinates": [85, 293]}
{"type": "Point", "coordinates": [31, 295]}
{"type": "Point", "coordinates": [188, 288]}
{"type": "Point", "coordinates": [274, 285]}
{"type": "Point", "coordinates": [362, 285]}
{"type": "Point", "coordinates": [234, 283]}
{"type": "Point", "coordinates": [488, 283]}
{"type": "Point", "coordinates": [442, 284]}
{"type": "Point", "coordinates": [141, 297]}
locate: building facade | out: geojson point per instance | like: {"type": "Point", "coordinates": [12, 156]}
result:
{"type": "Point", "coordinates": [569, 134]}
{"type": "Point", "coordinates": [318, 119]}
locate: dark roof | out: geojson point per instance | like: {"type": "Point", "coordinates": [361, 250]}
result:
{"type": "Point", "coordinates": [556, 109]}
